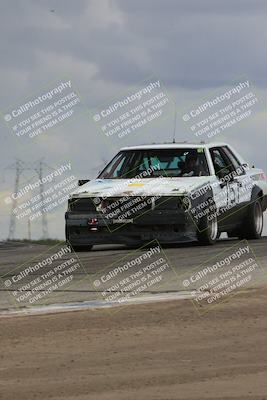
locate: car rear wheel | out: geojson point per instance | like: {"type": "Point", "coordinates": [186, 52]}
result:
{"type": "Point", "coordinates": [253, 224]}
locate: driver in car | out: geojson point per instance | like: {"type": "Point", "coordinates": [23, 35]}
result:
{"type": "Point", "coordinates": [191, 165]}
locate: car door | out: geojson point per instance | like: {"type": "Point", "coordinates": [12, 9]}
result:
{"type": "Point", "coordinates": [244, 180]}
{"type": "Point", "coordinates": [220, 188]}
{"type": "Point", "coordinates": [233, 182]}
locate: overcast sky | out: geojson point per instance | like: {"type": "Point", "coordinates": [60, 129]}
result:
{"type": "Point", "coordinates": [107, 47]}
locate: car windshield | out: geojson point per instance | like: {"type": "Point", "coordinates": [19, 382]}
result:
{"type": "Point", "coordinates": [179, 162]}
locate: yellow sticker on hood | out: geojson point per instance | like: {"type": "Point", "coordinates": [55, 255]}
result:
{"type": "Point", "coordinates": [136, 184]}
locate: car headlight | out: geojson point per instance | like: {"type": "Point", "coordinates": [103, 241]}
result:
{"type": "Point", "coordinates": [186, 203]}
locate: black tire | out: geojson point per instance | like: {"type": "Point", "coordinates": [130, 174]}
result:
{"type": "Point", "coordinates": [253, 224]}
{"type": "Point", "coordinates": [78, 249]}
{"type": "Point", "coordinates": [207, 232]}
{"type": "Point", "coordinates": [233, 234]}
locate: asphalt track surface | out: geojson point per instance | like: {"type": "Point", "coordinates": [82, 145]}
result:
{"type": "Point", "coordinates": [161, 350]}
{"type": "Point", "coordinates": [184, 260]}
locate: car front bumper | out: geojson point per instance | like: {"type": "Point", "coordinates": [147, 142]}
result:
{"type": "Point", "coordinates": [167, 226]}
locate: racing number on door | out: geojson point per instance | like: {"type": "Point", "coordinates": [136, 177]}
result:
{"type": "Point", "coordinates": [224, 169]}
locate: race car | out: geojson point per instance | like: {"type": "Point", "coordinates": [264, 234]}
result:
{"type": "Point", "coordinates": [169, 192]}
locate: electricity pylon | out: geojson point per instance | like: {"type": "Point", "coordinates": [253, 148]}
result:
{"type": "Point", "coordinates": [19, 166]}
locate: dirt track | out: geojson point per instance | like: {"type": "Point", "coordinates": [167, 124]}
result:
{"type": "Point", "coordinates": [155, 351]}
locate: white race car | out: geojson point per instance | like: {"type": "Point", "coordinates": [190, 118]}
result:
{"type": "Point", "coordinates": [169, 192]}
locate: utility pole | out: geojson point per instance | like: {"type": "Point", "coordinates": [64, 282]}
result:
{"type": "Point", "coordinates": [19, 166]}
{"type": "Point", "coordinates": [174, 128]}
{"type": "Point", "coordinates": [39, 171]}
{"type": "Point", "coordinates": [29, 229]}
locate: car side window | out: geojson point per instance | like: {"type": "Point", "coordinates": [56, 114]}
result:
{"type": "Point", "coordinates": [237, 166]}
{"type": "Point", "coordinates": [221, 162]}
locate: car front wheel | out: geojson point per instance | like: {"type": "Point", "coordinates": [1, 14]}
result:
{"type": "Point", "coordinates": [208, 232]}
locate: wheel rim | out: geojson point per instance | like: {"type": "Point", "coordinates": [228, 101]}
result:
{"type": "Point", "coordinates": [213, 227]}
{"type": "Point", "coordinates": [258, 218]}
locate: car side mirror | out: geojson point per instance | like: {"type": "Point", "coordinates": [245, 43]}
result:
{"type": "Point", "coordinates": [246, 166]}
{"type": "Point", "coordinates": [224, 176]}
{"type": "Point", "coordinates": [223, 173]}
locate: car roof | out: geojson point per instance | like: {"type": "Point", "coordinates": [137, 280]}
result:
{"type": "Point", "coordinates": [181, 145]}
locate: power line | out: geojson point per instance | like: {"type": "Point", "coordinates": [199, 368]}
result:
{"type": "Point", "coordinates": [19, 166]}
{"type": "Point", "coordinates": [38, 167]}
{"type": "Point", "coordinates": [39, 171]}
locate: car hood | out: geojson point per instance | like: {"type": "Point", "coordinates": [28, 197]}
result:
{"type": "Point", "coordinates": [140, 187]}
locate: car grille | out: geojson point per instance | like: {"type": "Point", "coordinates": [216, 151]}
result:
{"type": "Point", "coordinates": [116, 206]}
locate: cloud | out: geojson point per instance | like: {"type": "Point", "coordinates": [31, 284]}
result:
{"type": "Point", "coordinates": [108, 46]}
